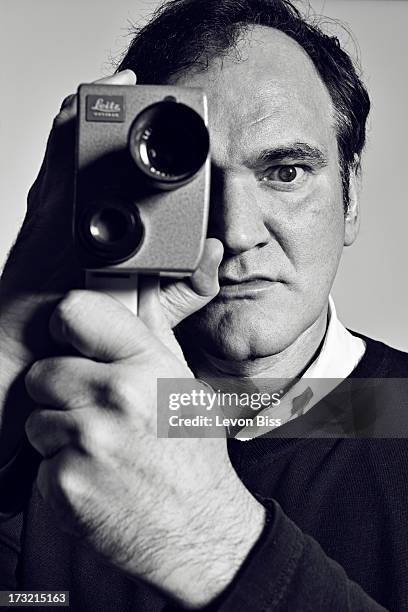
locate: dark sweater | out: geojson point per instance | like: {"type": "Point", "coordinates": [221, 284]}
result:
{"type": "Point", "coordinates": [336, 538]}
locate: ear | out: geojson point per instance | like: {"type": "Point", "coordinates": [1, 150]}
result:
{"type": "Point", "coordinates": [352, 216]}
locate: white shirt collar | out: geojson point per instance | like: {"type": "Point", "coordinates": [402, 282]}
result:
{"type": "Point", "coordinates": [340, 353]}
{"type": "Point", "coordinates": [338, 357]}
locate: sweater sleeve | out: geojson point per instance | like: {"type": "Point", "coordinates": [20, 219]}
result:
{"type": "Point", "coordinates": [10, 531]}
{"type": "Point", "coordinates": [287, 570]}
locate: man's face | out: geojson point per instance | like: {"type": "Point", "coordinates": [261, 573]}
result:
{"type": "Point", "coordinates": [276, 198]}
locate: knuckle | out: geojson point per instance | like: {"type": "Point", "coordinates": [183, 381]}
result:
{"type": "Point", "coordinates": [118, 392]}
{"type": "Point", "coordinates": [40, 373]}
{"type": "Point", "coordinates": [49, 382]}
{"type": "Point", "coordinates": [94, 437]}
{"type": "Point", "coordinates": [65, 478]}
{"type": "Point", "coordinates": [66, 481]}
{"type": "Point", "coordinates": [34, 377]}
{"type": "Point", "coordinates": [33, 426]}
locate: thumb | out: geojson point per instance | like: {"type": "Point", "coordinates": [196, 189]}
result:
{"type": "Point", "coordinates": [161, 309]}
{"type": "Point", "coordinates": [182, 298]}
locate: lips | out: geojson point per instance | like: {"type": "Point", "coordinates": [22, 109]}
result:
{"type": "Point", "coordinates": [250, 286]}
{"type": "Point", "coordinates": [229, 280]}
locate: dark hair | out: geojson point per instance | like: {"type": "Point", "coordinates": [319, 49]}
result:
{"type": "Point", "coordinates": [187, 33]}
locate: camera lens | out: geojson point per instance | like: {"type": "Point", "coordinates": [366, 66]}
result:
{"type": "Point", "coordinates": [111, 231]}
{"type": "Point", "coordinates": [108, 226]}
{"type": "Point", "coordinates": [169, 142]}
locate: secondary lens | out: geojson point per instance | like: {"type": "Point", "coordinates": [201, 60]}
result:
{"type": "Point", "coordinates": [111, 232]}
{"type": "Point", "coordinates": [169, 142]}
{"type": "Point", "coordinates": [108, 226]}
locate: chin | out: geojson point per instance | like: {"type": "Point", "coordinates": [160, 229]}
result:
{"type": "Point", "coordinates": [239, 331]}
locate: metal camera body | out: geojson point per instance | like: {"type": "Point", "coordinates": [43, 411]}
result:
{"type": "Point", "coordinates": [142, 179]}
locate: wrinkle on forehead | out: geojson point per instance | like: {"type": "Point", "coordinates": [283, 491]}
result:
{"type": "Point", "coordinates": [267, 83]}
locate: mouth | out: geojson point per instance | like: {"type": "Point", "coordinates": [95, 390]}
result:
{"type": "Point", "coordinates": [245, 287]}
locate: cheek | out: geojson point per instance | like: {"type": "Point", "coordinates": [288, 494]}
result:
{"type": "Point", "coordinates": [315, 233]}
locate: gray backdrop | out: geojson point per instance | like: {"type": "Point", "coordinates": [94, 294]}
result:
{"type": "Point", "coordinates": [49, 46]}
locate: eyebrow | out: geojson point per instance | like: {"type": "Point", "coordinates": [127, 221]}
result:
{"type": "Point", "coordinates": [299, 151]}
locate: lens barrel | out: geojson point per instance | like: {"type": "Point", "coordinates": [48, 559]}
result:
{"type": "Point", "coordinates": [112, 231]}
{"type": "Point", "coordinates": [169, 143]}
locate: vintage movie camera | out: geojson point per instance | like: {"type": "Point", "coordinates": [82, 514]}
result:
{"type": "Point", "coordinates": [142, 182]}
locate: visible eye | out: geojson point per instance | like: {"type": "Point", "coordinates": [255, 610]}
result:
{"type": "Point", "coordinates": [283, 174]}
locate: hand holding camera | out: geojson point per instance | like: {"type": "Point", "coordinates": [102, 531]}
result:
{"type": "Point", "coordinates": [123, 225]}
{"type": "Point", "coordinates": [43, 265]}
{"type": "Point", "coordinates": [167, 511]}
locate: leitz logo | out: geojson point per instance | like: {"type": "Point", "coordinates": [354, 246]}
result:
{"type": "Point", "coordinates": [105, 108]}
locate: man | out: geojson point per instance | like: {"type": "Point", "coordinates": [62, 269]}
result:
{"type": "Point", "coordinates": [130, 522]}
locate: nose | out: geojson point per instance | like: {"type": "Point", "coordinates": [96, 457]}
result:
{"type": "Point", "coordinates": [235, 217]}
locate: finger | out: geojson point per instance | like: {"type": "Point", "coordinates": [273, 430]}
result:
{"type": "Point", "coordinates": [48, 431]}
{"type": "Point", "coordinates": [181, 299]}
{"type": "Point", "coordinates": [204, 281]}
{"type": "Point", "coordinates": [67, 102]}
{"type": "Point", "coordinates": [124, 77]}
{"type": "Point", "coordinates": [65, 383]}
{"type": "Point", "coordinates": [100, 327]}
{"type": "Point", "coordinates": [162, 309]}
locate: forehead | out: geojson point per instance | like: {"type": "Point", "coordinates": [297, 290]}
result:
{"type": "Point", "coordinates": [268, 89]}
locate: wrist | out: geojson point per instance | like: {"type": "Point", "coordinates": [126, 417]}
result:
{"type": "Point", "coordinates": [205, 568]}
